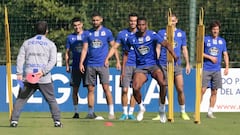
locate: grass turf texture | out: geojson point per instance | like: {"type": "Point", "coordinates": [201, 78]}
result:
{"type": "Point", "coordinates": [40, 123]}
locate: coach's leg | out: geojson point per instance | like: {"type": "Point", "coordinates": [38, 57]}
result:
{"type": "Point", "coordinates": [48, 92]}
{"type": "Point", "coordinates": [23, 96]}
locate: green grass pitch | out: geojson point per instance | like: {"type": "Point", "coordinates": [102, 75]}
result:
{"type": "Point", "coordinates": [40, 123]}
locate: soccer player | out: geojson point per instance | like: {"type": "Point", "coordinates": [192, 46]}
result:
{"type": "Point", "coordinates": [74, 44]}
{"type": "Point", "coordinates": [214, 49]}
{"type": "Point", "coordinates": [130, 63]}
{"type": "Point", "coordinates": [180, 45]}
{"type": "Point", "coordinates": [146, 44]}
{"type": "Point", "coordinates": [97, 45]}
{"type": "Point", "coordinates": [37, 56]}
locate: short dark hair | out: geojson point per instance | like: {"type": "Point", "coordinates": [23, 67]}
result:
{"type": "Point", "coordinates": [142, 19]}
{"type": "Point", "coordinates": [132, 14]}
{"type": "Point", "coordinates": [76, 19]}
{"type": "Point", "coordinates": [214, 24]}
{"type": "Point", "coordinates": [95, 13]}
{"type": "Point", "coordinates": [41, 27]}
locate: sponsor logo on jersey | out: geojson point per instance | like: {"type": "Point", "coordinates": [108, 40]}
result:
{"type": "Point", "coordinates": [143, 49]}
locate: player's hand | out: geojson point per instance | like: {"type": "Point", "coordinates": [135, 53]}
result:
{"type": "Point", "coordinates": [188, 69]}
{"type": "Point", "coordinates": [214, 59]}
{"type": "Point", "coordinates": [225, 71]}
{"type": "Point", "coordinates": [68, 69]}
{"type": "Point", "coordinates": [82, 68]}
{"type": "Point", "coordinates": [118, 66]}
{"type": "Point", "coordinates": [106, 63]}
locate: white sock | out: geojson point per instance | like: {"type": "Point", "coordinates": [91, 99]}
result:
{"type": "Point", "coordinates": [125, 110]}
{"type": "Point", "coordinates": [111, 109]}
{"type": "Point", "coordinates": [141, 106]}
{"type": "Point", "coordinates": [76, 108]}
{"type": "Point", "coordinates": [210, 110]}
{"type": "Point", "coordinates": [182, 108]}
{"type": "Point", "coordinates": [131, 110]}
{"type": "Point", "coordinates": [162, 107]}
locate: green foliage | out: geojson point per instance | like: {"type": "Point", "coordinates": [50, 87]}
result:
{"type": "Point", "coordinates": [58, 13]}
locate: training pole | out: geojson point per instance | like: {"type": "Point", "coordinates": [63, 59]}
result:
{"type": "Point", "coordinates": [199, 64]}
{"type": "Point", "coordinates": [170, 67]}
{"type": "Point", "coordinates": [8, 63]}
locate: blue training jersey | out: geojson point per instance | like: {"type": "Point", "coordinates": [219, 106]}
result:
{"type": "Point", "coordinates": [145, 48]}
{"type": "Point", "coordinates": [98, 45]}
{"type": "Point", "coordinates": [74, 43]}
{"type": "Point", "coordinates": [122, 39]}
{"type": "Point", "coordinates": [180, 40]}
{"type": "Point", "coordinates": [214, 47]}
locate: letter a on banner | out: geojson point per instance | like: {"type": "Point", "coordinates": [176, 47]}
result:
{"type": "Point", "coordinates": [8, 62]}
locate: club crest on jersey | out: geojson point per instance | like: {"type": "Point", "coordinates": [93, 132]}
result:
{"type": "Point", "coordinates": [143, 49]}
{"type": "Point", "coordinates": [148, 38]}
{"type": "Point", "coordinates": [179, 34]}
{"type": "Point", "coordinates": [213, 51]}
{"type": "Point", "coordinates": [220, 42]}
{"type": "Point", "coordinates": [96, 43]}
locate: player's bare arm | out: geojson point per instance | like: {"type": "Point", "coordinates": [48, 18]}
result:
{"type": "Point", "coordinates": [67, 56]}
{"type": "Point", "coordinates": [170, 49]}
{"type": "Point", "coordinates": [212, 58]}
{"type": "Point", "coordinates": [124, 61]}
{"type": "Point", "coordinates": [158, 50]}
{"type": "Point", "coordinates": [112, 51]}
{"type": "Point", "coordinates": [226, 61]}
{"type": "Point", "coordinates": [83, 56]}
{"type": "Point", "coordinates": [186, 58]}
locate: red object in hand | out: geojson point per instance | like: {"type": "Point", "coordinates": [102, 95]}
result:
{"type": "Point", "coordinates": [32, 78]}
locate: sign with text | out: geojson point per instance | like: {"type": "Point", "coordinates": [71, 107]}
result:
{"type": "Point", "coordinates": [227, 100]}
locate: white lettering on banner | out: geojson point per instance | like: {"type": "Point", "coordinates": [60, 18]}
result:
{"type": "Point", "coordinates": [238, 92]}
{"type": "Point", "coordinates": [118, 90]}
{"type": "Point", "coordinates": [150, 92]}
{"type": "Point", "coordinates": [227, 81]}
{"type": "Point", "coordinates": [226, 91]}
{"type": "Point", "coordinates": [101, 98]}
{"type": "Point", "coordinates": [15, 90]}
{"type": "Point", "coordinates": [66, 91]}
{"type": "Point", "coordinates": [228, 96]}
{"type": "Point", "coordinates": [237, 80]}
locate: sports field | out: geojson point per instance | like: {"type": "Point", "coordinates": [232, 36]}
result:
{"type": "Point", "coordinates": [40, 123]}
